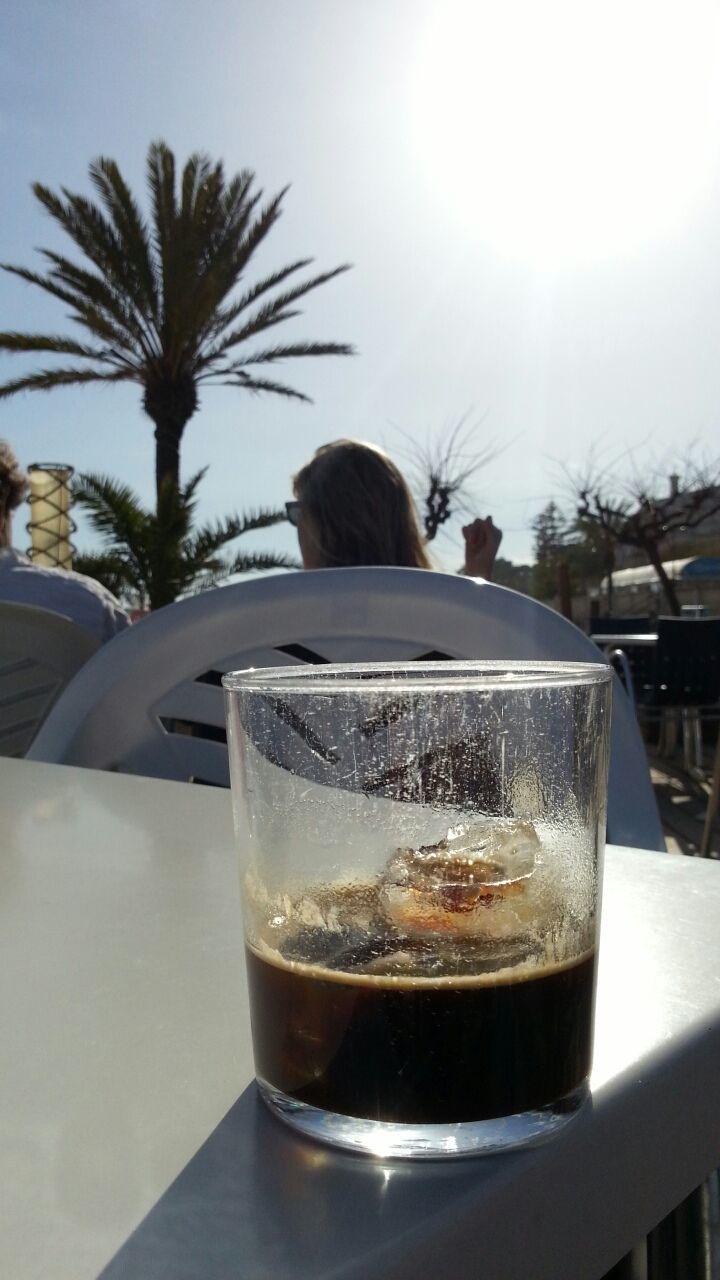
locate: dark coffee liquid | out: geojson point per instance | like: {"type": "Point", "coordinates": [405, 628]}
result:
{"type": "Point", "coordinates": [422, 1050]}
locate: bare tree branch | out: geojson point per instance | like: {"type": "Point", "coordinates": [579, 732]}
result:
{"type": "Point", "coordinates": [634, 511]}
{"type": "Point", "coordinates": [441, 469]}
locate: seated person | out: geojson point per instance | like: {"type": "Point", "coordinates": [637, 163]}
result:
{"type": "Point", "coordinates": [353, 507]}
{"type": "Point", "coordinates": [21, 582]}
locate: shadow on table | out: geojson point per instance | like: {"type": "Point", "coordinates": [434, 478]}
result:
{"type": "Point", "coordinates": [259, 1201]}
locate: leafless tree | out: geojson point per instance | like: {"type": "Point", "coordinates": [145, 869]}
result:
{"type": "Point", "coordinates": [441, 470]}
{"type": "Point", "coordinates": [634, 512]}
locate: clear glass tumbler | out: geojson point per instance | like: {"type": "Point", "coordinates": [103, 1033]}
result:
{"type": "Point", "coordinates": [421, 852]}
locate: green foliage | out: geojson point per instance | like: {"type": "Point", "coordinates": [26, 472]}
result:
{"type": "Point", "coordinates": [518, 576]}
{"type": "Point", "coordinates": [573, 542]}
{"type": "Point", "coordinates": [155, 300]}
{"type": "Point", "coordinates": [149, 558]}
{"type": "Point", "coordinates": [550, 529]}
{"type": "Point", "coordinates": [108, 568]}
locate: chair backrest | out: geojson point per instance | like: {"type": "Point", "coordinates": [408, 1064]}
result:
{"type": "Point", "coordinates": [40, 652]}
{"type": "Point", "coordinates": [154, 706]}
{"type": "Point", "coordinates": [687, 662]}
{"type": "Point", "coordinates": [619, 626]}
{"type": "Point", "coordinates": [639, 661]}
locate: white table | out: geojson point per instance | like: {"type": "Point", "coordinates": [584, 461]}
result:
{"type": "Point", "coordinates": [126, 1040]}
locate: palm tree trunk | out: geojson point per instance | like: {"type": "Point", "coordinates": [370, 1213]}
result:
{"type": "Point", "coordinates": [160, 594]}
{"type": "Point", "coordinates": [167, 456]}
{"type": "Point", "coordinates": [171, 403]}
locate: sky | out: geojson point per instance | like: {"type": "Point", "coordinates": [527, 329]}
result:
{"type": "Point", "coordinates": [529, 195]}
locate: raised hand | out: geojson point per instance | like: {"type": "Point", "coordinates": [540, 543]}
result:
{"type": "Point", "coordinates": [482, 540]}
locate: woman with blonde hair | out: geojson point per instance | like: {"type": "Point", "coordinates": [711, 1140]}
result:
{"type": "Point", "coordinates": [354, 507]}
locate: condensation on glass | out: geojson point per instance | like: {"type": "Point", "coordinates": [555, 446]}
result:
{"type": "Point", "coordinates": [420, 850]}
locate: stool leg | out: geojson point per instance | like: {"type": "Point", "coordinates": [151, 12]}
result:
{"type": "Point", "coordinates": [686, 717]}
{"type": "Point", "coordinates": [697, 739]}
{"type": "Point", "coordinates": [668, 732]}
{"type": "Point", "coordinates": [691, 728]}
{"type": "Point", "coordinates": [684, 1246]}
{"type": "Point", "coordinates": [712, 804]}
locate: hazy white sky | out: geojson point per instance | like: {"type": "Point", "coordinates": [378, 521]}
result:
{"type": "Point", "coordinates": [530, 195]}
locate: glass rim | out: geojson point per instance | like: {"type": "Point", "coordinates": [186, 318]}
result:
{"type": "Point", "coordinates": [473, 674]}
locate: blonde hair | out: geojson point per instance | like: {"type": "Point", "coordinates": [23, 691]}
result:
{"type": "Point", "coordinates": [13, 481]}
{"type": "Point", "coordinates": [360, 508]}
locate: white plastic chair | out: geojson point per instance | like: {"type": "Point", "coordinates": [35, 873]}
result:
{"type": "Point", "coordinates": [40, 651]}
{"type": "Point", "coordinates": [152, 703]}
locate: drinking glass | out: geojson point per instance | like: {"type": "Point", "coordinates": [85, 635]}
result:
{"type": "Point", "coordinates": [421, 850]}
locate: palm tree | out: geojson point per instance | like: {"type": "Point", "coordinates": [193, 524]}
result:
{"type": "Point", "coordinates": [151, 557]}
{"type": "Point", "coordinates": [157, 302]}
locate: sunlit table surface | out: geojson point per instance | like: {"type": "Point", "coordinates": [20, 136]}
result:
{"type": "Point", "coordinates": [126, 1041]}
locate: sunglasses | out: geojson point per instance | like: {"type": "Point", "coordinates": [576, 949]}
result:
{"type": "Point", "coordinates": [292, 512]}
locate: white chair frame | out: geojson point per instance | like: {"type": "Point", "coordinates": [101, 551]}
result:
{"type": "Point", "coordinates": [151, 703]}
{"type": "Point", "coordinates": [40, 651]}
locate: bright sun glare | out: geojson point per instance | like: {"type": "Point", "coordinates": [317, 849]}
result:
{"type": "Point", "coordinates": [562, 130]}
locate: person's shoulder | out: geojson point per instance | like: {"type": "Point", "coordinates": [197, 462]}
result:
{"type": "Point", "coordinates": [80, 582]}
{"type": "Point", "coordinates": [86, 582]}
{"type": "Point", "coordinates": [82, 599]}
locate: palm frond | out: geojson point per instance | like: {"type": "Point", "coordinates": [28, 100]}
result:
{"type": "Point", "coordinates": [255, 234]}
{"type": "Point", "coordinates": [130, 227]}
{"type": "Point", "coordinates": [195, 256]}
{"type": "Point", "coordinates": [190, 486]}
{"type": "Point", "coordinates": [48, 379]}
{"type": "Point", "coordinates": [50, 342]}
{"type": "Point", "coordinates": [60, 291]}
{"type": "Point", "coordinates": [256, 385]}
{"type": "Point", "coordinates": [117, 514]}
{"type": "Point", "coordinates": [262, 561]}
{"type": "Point", "coordinates": [268, 315]}
{"type": "Point", "coordinates": [264, 518]}
{"type": "Point", "coordinates": [111, 570]}
{"type": "Point", "coordinates": [103, 295]}
{"type": "Point", "coordinates": [288, 352]}
{"type": "Point", "coordinates": [237, 199]}
{"type": "Point", "coordinates": [202, 547]}
{"type": "Point", "coordinates": [208, 229]}
{"type": "Point", "coordinates": [225, 316]}
{"type": "Point", "coordinates": [209, 538]}
{"type": "Point", "coordinates": [208, 581]}
{"type": "Point", "coordinates": [232, 217]}
{"type": "Point", "coordinates": [43, 282]}
{"type": "Point", "coordinates": [91, 231]}
{"type": "Point", "coordinates": [195, 175]}
{"type": "Point", "coordinates": [84, 313]}
{"type": "Point", "coordinates": [161, 183]}
{"type": "Point", "coordinates": [258, 563]}
{"type": "Point", "coordinates": [114, 509]}
{"type": "Point", "coordinates": [210, 359]}
{"type": "Point", "coordinates": [216, 245]}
